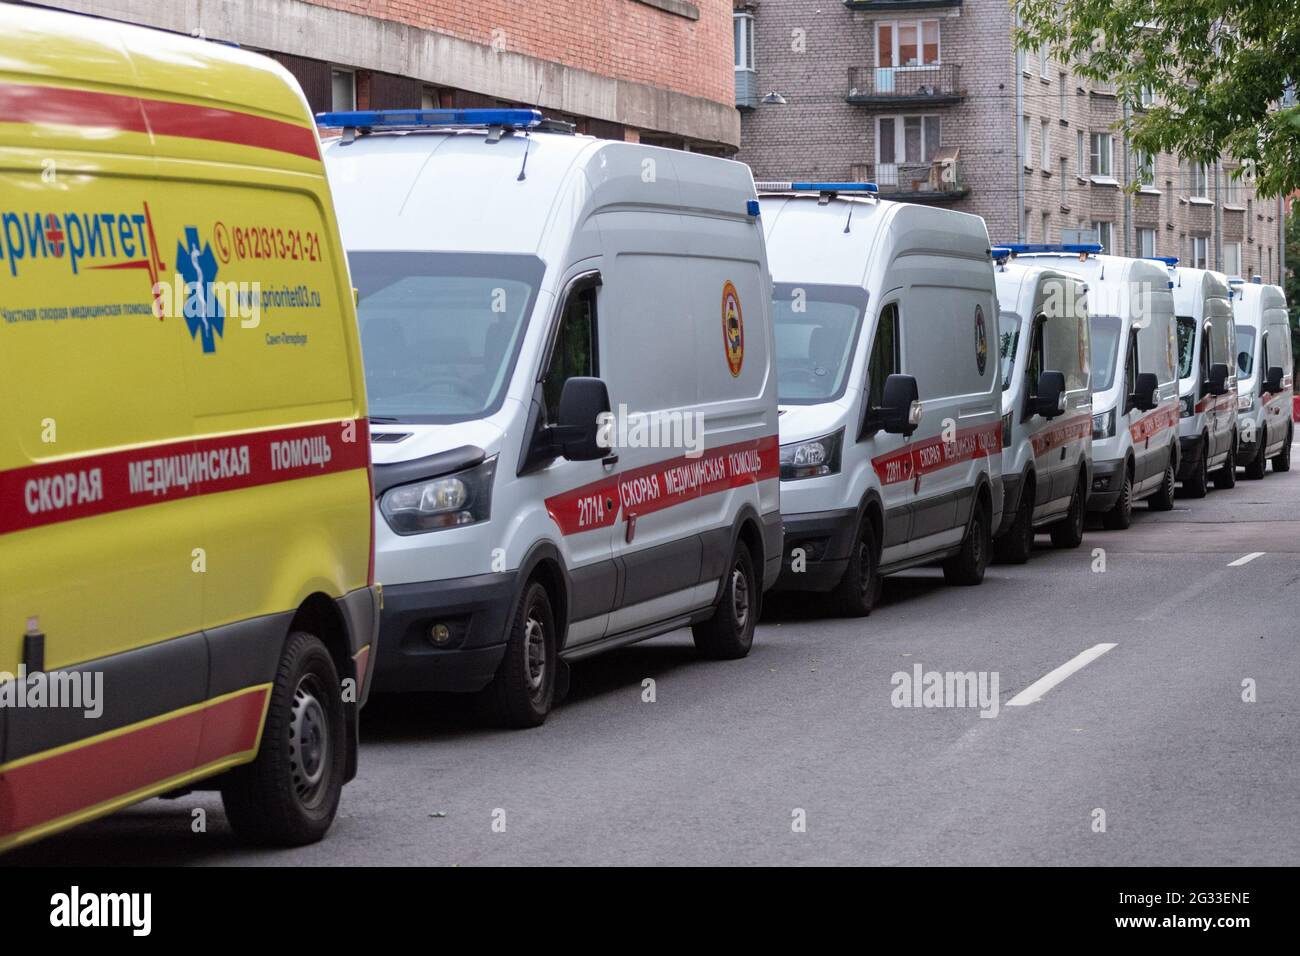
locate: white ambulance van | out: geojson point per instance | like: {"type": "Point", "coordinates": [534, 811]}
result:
{"type": "Point", "coordinates": [1135, 450]}
{"type": "Point", "coordinates": [1043, 348]}
{"type": "Point", "coordinates": [1265, 377]}
{"type": "Point", "coordinates": [1207, 380]}
{"type": "Point", "coordinates": [885, 316]}
{"type": "Point", "coordinates": [568, 352]}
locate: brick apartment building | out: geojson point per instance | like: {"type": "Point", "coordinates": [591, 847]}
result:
{"type": "Point", "coordinates": [931, 100]}
{"type": "Point", "coordinates": [658, 71]}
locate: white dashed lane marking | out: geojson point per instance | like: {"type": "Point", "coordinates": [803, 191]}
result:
{"type": "Point", "coordinates": [1038, 688]}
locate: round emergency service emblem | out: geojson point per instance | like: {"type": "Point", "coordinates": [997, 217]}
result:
{"type": "Point", "coordinates": [733, 329]}
{"type": "Point", "coordinates": [981, 340]}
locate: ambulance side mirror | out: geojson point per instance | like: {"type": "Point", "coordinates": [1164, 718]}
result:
{"type": "Point", "coordinates": [900, 409]}
{"type": "Point", "coordinates": [1218, 382]}
{"type": "Point", "coordinates": [1051, 394]}
{"type": "Point", "coordinates": [1146, 395]}
{"type": "Point", "coordinates": [1274, 382]}
{"type": "Point", "coordinates": [582, 401]}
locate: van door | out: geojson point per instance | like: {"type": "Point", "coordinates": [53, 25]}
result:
{"type": "Point", "coordinates": [1143, 460]}
{"type": "Point", "coordinates": [1045, 467]}
{"type": "Point", "coordinates": [891, 454]}
{"type": "Point", "coordinates": [581, 496]}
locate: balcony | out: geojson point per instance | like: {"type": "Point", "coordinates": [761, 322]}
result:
{"type": "Point", "coordinates": [900, 87]}
{"type": "Point", "coordinates": [937, 181]}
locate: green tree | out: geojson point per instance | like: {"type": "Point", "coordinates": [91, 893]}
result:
{"type": "Point", "coordinates": [1222, 72]}
{"type": "Point", "coordinates": [1291, 284]}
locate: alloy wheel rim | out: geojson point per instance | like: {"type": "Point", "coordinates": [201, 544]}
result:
{"type": "Point", "coordinates": [739, 597]}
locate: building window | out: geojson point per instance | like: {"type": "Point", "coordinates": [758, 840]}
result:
{"type": "Point", "coordinates": [1047, 225]}
{"type": "Point", "coordinates": [742, 27]}
{"type": "Point", "coordinates": [1101, 147]}
{"type": "Point", "coordinates": [1250, 219]}
{"type": "Point", "coordinates": [1105, 234]}
{"type": "Point", "coordinates": [1146, 241]}
{"type": "Point", "coordinates": [904, 139]}
{"type": "Point", "coordinates": [1080, 155]}
{"type": "Point", "coordinates": [1045, 148]}
{"type": "Point", "coordinates": [1199, 252]}
{"type": "Point", "coordinates": [430, 98]}
{"type": "Point", "coordinates": [343, 90]}
{"type": "Point", "coordinates": [1144, 171]}
{"type": "Point", "coordinates": [1146, 96]}
{"type": "Point", "coordinates": [907, 43]}
{"type": "Point", "coordinates": [1232, 258]}
{"type": "Point", "coordinates": [1200, 184]}
{"type": "Point", "coordinates": [1025, 147]}
{"type": "Point", "coordinates": [1065, 191]}
{"type": "Point", "coordinates": [1060, 94]}
{"type": "Point", "coordinates": [1044, 52]}
{"type": "Point", "coordinates": [1231, 187]}
{"type": "Point", "coordinates": [1169, 201]}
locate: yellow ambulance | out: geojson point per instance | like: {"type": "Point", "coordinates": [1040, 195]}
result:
{"type": "Point", "coordinates": [186, 517]}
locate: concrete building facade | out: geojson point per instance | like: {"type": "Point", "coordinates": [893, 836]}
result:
{"type": "Point", "coordinates": [931, 100]}
{"type": "Point", "coordinates": [652, 70]}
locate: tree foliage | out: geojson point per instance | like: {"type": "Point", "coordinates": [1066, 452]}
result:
{"type": "Point", "coordinates": [1220, 71]}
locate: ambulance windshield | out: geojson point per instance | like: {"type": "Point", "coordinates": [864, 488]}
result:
{"type": "Point", "coordinates": [440, 331]}
{"type": "Point", "coordinates": [816, 330]}
{"type": "Point", "coordinates": [1105, 331]}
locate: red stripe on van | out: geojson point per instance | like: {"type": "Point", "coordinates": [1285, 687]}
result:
{"type": "Point", "coordinates": [86, 776]}
{"type": "Point", "coordinates": [1072, 429]}
{"type": "Point", "coordinates": [933, 454]}
{"type": "Point", "coordinates": [652, 488]}
{"type": "Point", "coordinates": [44, 105]}
{"type": "Point", "coordinates": [92, 485]}
{"type": "Point", "coordinates": [1148, 426]}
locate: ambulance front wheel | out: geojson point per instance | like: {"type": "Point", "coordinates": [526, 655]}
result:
{"type": "Point", "coordinates": [1226, 476]}
{"type": "Point", "coordinates": [523, 689]}
{"type": "Point", "coordinates": [1120, 516]}
{"type": "Point", "coordinates": [859, 589]}
{"type": "Point", "coordinates": [967, 566]}
{"type": "Point", "coordinates": [288, 796]}
{"type": "Point", "coordinates": [1068, 532]}
{"type": "Point", "coordinates": [1163, 499]}
{"type": "Point", "coordinates": [1282, 460]}
{"type": "Point", "coordinates": [729, 633]}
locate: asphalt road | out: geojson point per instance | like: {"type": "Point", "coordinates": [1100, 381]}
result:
{"type": "Point", "coordinates": [1154, 731]}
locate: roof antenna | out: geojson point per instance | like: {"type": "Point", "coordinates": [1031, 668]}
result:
{"type": "Point", "coordinates": [849, 220]}
{"type": "Point", "coordinates": [521, 177]}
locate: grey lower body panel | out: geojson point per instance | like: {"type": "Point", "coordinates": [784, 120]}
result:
{"type": "Point", "coordinates": [1107, 483]}
{"type": "Point", "coordinates": [1012, 488]}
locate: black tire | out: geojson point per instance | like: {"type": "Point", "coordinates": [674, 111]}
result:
{"type": "Point", "coordinates": [288, 796]}
{"type": "Point", "coordinates": [1225, 476]}
{"type": "Point", "coordinates": [729, 633]}
{"type": "Point", "coordinates": [523, 688]}
{"type": "Point", "coordinates": [1068, 532]}
{"type": "Point", "coordinates": [1017, 543]}
{"type": "Point", "coordinates": [1197, 483]}
{"type": "Point", "coordinates": [967, 566]}
{"type": "Point", "coordinates": [1163, 499]}
{"type": "Point", "coordinates": [1120, 516]}
{"type": "Point", "coordinates": [1282, 460]}
{"type": "Point", "coordinates": [859, 589]}
{"type": "Point", "coordinates": [1259, 464]}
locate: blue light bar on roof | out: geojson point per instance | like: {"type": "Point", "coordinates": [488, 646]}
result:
{"type": "Point", "coordinates": [1170, 261]}
{"type": "Point", "coordinates": [430, 119]}
{"type": "Point", "coordinates": [771, 187]}
{"type": "Point", "coordinates": [999, 253]}
{"type": "Point", "coordinates": [1025, 248]}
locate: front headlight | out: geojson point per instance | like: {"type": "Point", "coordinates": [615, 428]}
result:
{"type": "Point", "coordinates": [1187, 406]}
{"type": "Point", "coordinates": [1245, 403]}
{"type": "Point", "coordinates": [812, 458]}
{"type": "Point", "coordinates": [450, 501]}
{"type": "Point", "coordinates": [1103, 425]}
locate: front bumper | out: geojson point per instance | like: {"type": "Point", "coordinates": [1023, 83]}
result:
{"type": "Point", "coordinates": [1107, 482]}
{"type": "Point", "coordinates": [476, 612]}
{"type": "Point", "coordinates": [825, 539]}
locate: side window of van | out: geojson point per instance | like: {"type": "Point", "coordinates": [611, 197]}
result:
{"type": "Point", "coordinates": [1034, 363]}
{"type": "Point", "coordinates": [574, 352]}
{"type": "Point", "coordinates": [1131, 368]}
{"type": "Point", "coordinates": [884, 355]}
